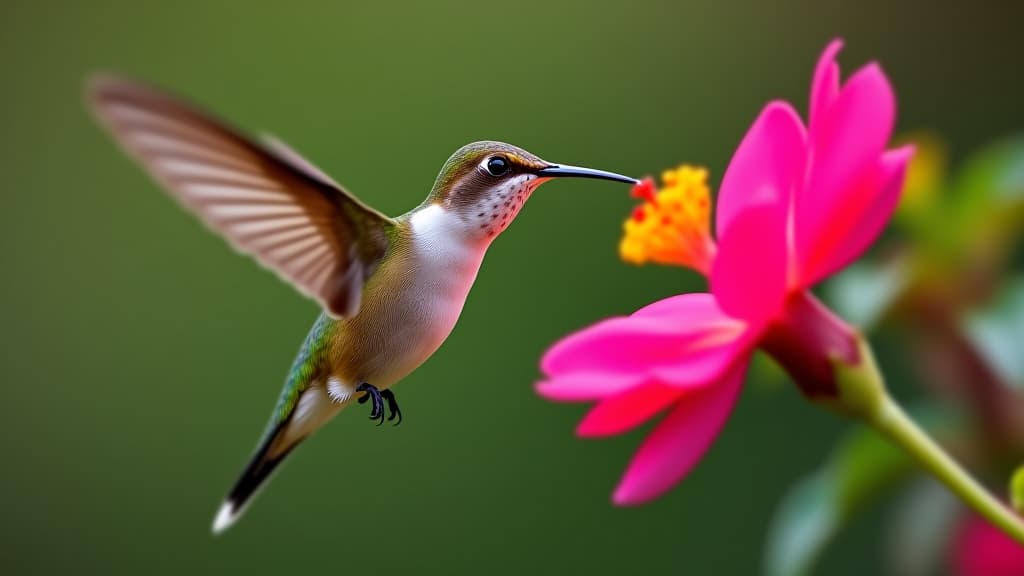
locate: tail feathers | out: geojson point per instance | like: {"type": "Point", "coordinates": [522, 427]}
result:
{"type": "Point", "coordinates": [313, 409]}
{"type": "Point", "coordinates": [271, 452]}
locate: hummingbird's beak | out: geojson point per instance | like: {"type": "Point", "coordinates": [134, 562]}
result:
{"type": "Point", "coordinates": [556, 171]}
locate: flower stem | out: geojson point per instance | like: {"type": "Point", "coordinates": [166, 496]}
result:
{"type": "Point", "coordinates": [863, 392]}
{"type": "Point", "coordinates": [892, 421]}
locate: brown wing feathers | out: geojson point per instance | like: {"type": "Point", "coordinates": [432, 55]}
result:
{"type": "Point", "coordinates": [271, 204]}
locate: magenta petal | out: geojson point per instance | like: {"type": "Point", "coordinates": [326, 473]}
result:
{"type": "Point", "coordinates": [825, 86]}
{"type": "Point", "coordinates": [663, 333]}
{"type": "Point", "coordinates": [723, 339]}
{"type": "Point", "coordinates": [620, 346]}
{"type": "Point", "coordinates": [695, 308]}
{"type": "Point", "coordinates": [846, 145]}
{"type": "Point", "coordinates": [860, 225]}
{"type": "Point", "coordinates": [620, 413]}
{"type": "Point", "coordinates": [678, 442]}
{"type": "Point", "coordinates": [766, 166]}
{"type": "Point", "coordinates": [586, 386]}
{"type": "Point", "coordinates": [712, 362]}
{"type": "Point", "coordinates": [980, 549]}
{"type": "Point", "coordinates": [703, 366]}
{"type": "Point", "coordinates": [750, 273]}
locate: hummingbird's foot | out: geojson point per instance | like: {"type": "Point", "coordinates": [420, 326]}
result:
{"type": "Point", "coordinates": [377, 403]}
{"type": "Point", "coordinates": [392, 406]}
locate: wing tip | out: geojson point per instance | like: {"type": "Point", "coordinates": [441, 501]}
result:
{"type": "Point", "coordinates": [99, 80]}
{"type": "Point", "coordinates": [101, 88]}
{"type": "Point", "coordinates": [95, 87]}
{"type": "Point", "coordinates": [102, 84]}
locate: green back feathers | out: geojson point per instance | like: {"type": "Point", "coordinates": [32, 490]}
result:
{"type": "Point", "coordinates": [304, 369]}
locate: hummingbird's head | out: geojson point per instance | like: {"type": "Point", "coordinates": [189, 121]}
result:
{"type": "Point", "coordinates": [486, 184]}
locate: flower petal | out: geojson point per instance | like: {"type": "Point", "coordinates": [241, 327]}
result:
{"type": "Point", "coordinates": [681, 341]}
{"type": "Point", "coordinates": [825, 86]}
{"type": "Point", "coordinates": [699, 308]}
{"type": "Point", "coordinates": [766, 166]}
{"type": "Point", "coordinates": [620, 346]}
{"type": "Point", "coordinates": [724, 339]}
{"type": "Point", "coordinates": [846, 144]}
{"type": "Point", "coordinates": [655, 334]}
{"type": "Point", "coordinates": [861, 224]}
{"type": "Point", "coordinates": [628, 409]}
{"type": "Point", "coordinates": [679, 441]}
{"type": "Point", "coordinates": [749, 274]}
{"type": "Point", "coordinates": [586, 386]}
{"type": "Point", "coordinates": [696, 370]}
{"type": "Point", "coordinates": [980, 549]}
{"type": "Point", "coordinates": [711, 363]}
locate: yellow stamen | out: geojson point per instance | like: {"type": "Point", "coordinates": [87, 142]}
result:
{"type": "Point", "coordinates": [672, 225]}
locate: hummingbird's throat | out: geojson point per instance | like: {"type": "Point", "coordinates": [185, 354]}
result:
{"type": "Point", "coordinates": [496, 209]}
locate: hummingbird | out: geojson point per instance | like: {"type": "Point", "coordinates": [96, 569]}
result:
{"type": "Point", "coordinates": [390, 289]}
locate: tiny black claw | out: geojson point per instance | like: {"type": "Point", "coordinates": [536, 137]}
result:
{"type": "Point", "coordinates": [377, 404]}
{"type": "Point", "coordinates": [392, 406]}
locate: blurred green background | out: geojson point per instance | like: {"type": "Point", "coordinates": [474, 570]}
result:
{"type": "Point", "coordinates": [142, 356]}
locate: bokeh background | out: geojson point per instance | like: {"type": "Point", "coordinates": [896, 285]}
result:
{"type": "Point", "coordinates": [141, 356]}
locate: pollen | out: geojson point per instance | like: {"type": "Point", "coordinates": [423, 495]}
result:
{"type": "Point", "coordinates": [671, 226]}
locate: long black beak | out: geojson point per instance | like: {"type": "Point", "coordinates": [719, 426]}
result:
{"type": "Point", "coordinates": [556, 171]}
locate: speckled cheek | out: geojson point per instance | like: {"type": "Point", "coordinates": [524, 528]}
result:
{"type": "Point", "coordinates": [494, 213]}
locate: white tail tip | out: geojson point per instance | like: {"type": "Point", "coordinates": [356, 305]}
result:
{"type": "Point", "coordinates": [226, 516]}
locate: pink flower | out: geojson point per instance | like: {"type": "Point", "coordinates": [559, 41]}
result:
{"type": "Point", "coordinates": [980, 549]}
{"type": "Point", "coordinates": [796, 204]}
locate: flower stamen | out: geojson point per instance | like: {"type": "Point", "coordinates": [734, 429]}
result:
{"type": "Point", "coordinates": [672, 225]}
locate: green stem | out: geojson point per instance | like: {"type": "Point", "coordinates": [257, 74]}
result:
{"type": "Point", "coordinates": [892, 421]}
{"type": "Point", "coordinates": [863, 392]}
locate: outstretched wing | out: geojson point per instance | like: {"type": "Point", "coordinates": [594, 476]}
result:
{"type": "Point", "coordinates": [267, 201]}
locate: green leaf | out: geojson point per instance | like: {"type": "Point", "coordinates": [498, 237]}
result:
{"type": "Point", "coordinates": [998, 334]}
{"type": "Point", "coordinates": [996, 171]}
{"type": "Point", "coordinates": [814, 510]}
{"type": "Point", "coordinates": [1017, 490]}
{"type": "Point", "coordinates": [864, 292]}
{"type": "Point", "coordinates": [865, 463]}
{"type": "Point", "coordinates": [986, 210]}
{"type": "Point", "coordinates": [920, 528]}
{"type": "Point", "coordinates": [863, 466]}
{"type": "Point", "coordinates": [806, 520]}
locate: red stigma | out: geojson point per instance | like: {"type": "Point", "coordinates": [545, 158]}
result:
{"type": "Point", "coordinates": [644, 190]}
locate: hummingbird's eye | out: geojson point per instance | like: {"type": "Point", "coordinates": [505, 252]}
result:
{"type": "Point", "coordinates": [498, 166]}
